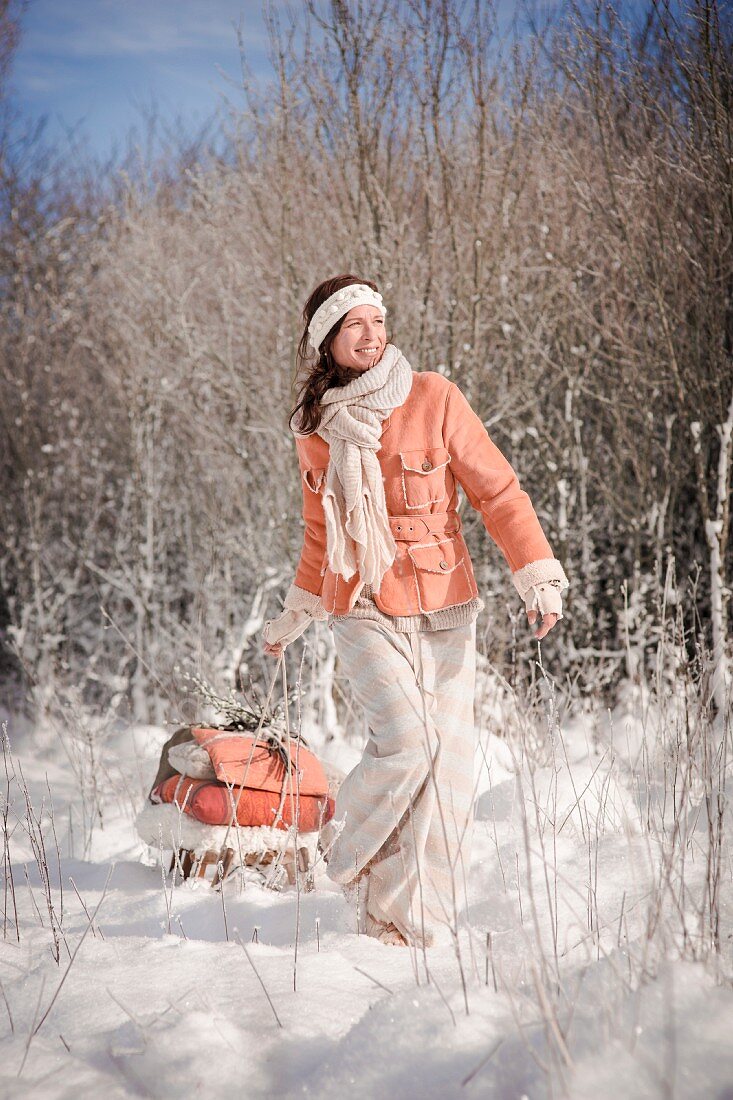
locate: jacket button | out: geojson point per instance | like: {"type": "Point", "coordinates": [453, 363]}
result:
{"type": "Point", "coordinates": [443, 565]}
{"type": "Point", "coordinates": [427, 464]}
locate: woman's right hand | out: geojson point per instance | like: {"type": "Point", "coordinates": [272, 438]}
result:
{"type": "Point", "coordinates": [279, 633]}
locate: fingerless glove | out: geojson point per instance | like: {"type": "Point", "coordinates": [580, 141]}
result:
{"type": "Point", "coordinates": [287, 627]}
{"type": "Point", "coordinates": [545, 598]}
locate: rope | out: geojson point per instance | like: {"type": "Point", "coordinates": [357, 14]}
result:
{"type": "Point", "coordinates": [254, 742]}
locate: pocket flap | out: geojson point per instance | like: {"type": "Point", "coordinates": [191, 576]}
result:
{"type": "Point", "coordinates": [314, 477]}
{"type": "Point", "coordinates": [436, 557]}
{"type": "Point", "coordinates": [424, 460]}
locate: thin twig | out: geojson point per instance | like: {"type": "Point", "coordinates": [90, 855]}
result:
{"type": "Point", "coordinates": [75, 952]}
{"type": "Point", "coordinates": [259, 979]}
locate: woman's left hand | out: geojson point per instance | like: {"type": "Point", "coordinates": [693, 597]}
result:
{"type": "Point", "coordinates": [544, 599]}
{"type": "Point", "coordinates": [548, 621]}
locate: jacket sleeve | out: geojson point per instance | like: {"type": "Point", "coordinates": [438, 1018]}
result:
{"type": "Point", "coordinates": [493, 489]}
{"type": "Point", "coordinates": [304, 593]}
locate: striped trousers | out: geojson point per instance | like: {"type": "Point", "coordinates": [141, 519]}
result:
{"type": "Point", "coordinates": [407, 807]}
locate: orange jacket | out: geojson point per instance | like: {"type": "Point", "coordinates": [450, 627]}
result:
{"type": "Point", "coordinates": [429, 445]}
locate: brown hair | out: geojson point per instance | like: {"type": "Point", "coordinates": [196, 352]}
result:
{"type": "Point", "coordinates": [315, 377]}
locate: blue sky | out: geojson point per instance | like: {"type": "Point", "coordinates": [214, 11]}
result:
{"type": "Point", "coordinates": [90, 64]}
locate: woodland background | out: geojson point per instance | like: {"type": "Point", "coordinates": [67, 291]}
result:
{"type": "Point", "coordinates": [550, 219]}
{"type": "Point", "coordinates": [549, 214]}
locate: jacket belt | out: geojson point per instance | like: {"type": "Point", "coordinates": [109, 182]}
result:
{"type": "Point", "coordinates": [415, 528]}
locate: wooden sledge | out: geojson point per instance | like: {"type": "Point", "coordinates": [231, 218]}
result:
{"type": "Point", "coordinates": [220, 865]}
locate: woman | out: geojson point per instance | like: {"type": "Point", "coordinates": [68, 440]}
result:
{"type": "Point", "coordinates": [382, 450]}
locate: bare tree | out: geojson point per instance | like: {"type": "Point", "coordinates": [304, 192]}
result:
{"type": "Point", "coordinates": [550, 217]}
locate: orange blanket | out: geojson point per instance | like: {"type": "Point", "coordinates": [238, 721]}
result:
{"type": "Point", "coordinates": [213, 803]}
{"type": "Point", "coordinates": [238, 759]}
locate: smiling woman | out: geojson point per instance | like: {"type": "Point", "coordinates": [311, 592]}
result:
{"type": "Point", "coordinates": [360, 340]}
{"type": "Point", "coordinates": [341, 315]}
{"type": "Point", "coordinates": [383, 451]}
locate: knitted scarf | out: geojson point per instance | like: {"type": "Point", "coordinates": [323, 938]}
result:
{"type": "Point", "coordinates": [358, 534]}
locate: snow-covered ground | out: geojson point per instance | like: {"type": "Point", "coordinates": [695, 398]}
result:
{"type": "Point", "coordinates": [599, 982]}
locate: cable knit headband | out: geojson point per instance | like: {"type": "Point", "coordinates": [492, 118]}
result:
{"type": "Point", "coordinates": [334, 308]}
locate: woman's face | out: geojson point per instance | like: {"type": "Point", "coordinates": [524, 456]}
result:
{"type": "Point", "coordinates": [361, 340]}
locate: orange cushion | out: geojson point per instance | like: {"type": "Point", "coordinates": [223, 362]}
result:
{"type": "Point", "coordinates": [211, 802]}
{"type": "Point", "coordinates": [239, 760]}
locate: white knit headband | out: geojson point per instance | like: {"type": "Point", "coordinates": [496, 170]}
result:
{"type": "Point", "coordinates": [334, 308]}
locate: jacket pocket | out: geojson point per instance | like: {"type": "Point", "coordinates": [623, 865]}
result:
{"type": "Point", "coordinates": [423, 476]}
{"type": "Point", "coordinates": [315, 478]}
{"type": "Point", "coordinates": [442, 571]}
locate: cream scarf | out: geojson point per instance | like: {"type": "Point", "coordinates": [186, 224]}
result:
{"type": "Point", "coordinates": [358, 534]}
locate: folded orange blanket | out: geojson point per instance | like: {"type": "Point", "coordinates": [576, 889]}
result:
{"type": "Point", "coordinates": [239, 760]}
{"type": "Point", "coordinates": [213, 803]}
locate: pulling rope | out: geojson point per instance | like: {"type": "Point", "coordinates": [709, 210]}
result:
{"type": "Point", "coordinates": [254, 741]}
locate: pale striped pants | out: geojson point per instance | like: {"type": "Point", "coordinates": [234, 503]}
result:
{"type": "Point", "coordinates": [408, 804]}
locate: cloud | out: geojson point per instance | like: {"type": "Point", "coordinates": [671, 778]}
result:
{"type": "Point", "coordinates": [123, 29]}
{"type": "Point", "coordinates": [41, 83]}
{"type": "Point", "coordinates": [37, 76]}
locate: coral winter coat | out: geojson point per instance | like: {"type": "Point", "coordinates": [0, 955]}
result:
{"type": "Point", "coordinates": [430, 445]}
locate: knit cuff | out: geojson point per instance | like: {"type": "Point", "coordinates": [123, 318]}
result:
{"type": "Point", "coordinates": [539, 572]}
{"type": "Point", "coordinates": [300, 599]}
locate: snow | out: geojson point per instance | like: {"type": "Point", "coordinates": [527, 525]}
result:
{"type": "Point", "coordinates": [576, 996]}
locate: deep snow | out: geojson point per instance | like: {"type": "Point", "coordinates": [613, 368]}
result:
{"type": "Point", "coordinates": [148, 1012]}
